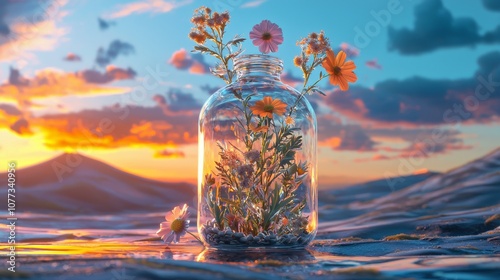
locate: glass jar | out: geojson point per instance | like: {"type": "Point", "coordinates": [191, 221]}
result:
{"type": "Point", "coordinates": [257, 169]}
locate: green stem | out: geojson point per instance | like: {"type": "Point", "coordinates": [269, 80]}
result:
{"type": "Point", "coordinates": [304, 92]}
{"type": "Point", "coordinates": [197, 238]}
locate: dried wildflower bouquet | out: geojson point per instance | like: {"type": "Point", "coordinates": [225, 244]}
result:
{"type": "Point", "coordinates": [257, 138]}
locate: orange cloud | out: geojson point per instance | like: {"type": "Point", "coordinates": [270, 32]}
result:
{"type": "Point", "coordinates": [117, 126]}
{"type": "Point", "coordinates": [333, 142]}
{"type": "Point", "coordinates": [12, 118]}
{"type": "Point", "coordinates": [51, 82]}
{"type": "Point", "coordinates": [375, 157]}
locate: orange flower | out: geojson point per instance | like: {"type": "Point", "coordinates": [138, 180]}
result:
{"type": "Point", "coordinates": [257, 129]}
{"type": "Point", "coordinates": [289, 120]}
{"type": "Point", "coordinates": [339, 70]}
{"type": "Point", "coordinates": [267, 107]}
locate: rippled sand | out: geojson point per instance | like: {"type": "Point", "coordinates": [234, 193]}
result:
{"type": "Point", "coordinates": [431, 226]}
{"type": "Point", "coordinates": [134, 252]}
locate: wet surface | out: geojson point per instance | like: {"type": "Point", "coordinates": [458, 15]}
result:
{"type": "Point", "coordinates": [135, 253]}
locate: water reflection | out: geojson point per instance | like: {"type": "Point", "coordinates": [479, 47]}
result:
{"type": "Point", "coordinates": [255, 256]}
{"type": "Point", "coordinates": [179, 255]}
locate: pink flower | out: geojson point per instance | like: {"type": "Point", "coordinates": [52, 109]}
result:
{"type": "Point", "coordinates": [267, 36]}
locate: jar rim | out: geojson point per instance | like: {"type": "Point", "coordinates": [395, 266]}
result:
{"type": "Point", "coordinates": [257, 59]}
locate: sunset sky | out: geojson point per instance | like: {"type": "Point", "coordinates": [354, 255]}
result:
{"type": "Point", "coordinates": [89, 76]}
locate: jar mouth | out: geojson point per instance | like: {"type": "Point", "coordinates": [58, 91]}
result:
{"type": "Point", "coordinates": [251, 63]}
{"type": "Point", "coordinates": [257, 59]}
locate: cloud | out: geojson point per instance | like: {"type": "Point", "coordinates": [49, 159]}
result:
{"type": "Point", "coordinates": [15, 78]}
{"type": "Point", "coordinates": [53, 83]}
{"type": "Point", "coordinates": [388, 142]}
{"type": "Point", "coordinates": [422, 101]}
{"type": "Point", "coordinates": [435, 28]}
{"type": "Point", "coordinates": [72, 57]}
{"type": "Point", "coordinates": [419, 150]}
{"type": "Point", "coordinates": [427, 140]}
{"type": "Point", "coordinates": [194, 63]}
{"type": "Point", "coordinates": [112, 73]}
{"type": "Point", "coordinates": [253, 4]}
{"type": "Point", "coordinates": [10, 110]}
{"type": "Point", "coordinates": [21, 127]}
{"type": "Point", "coordinates": [493, 5]}
{"type": "Point", "coordinates": [117, 126]}
{"type": "Point", "coordinates": [9, 115]}
{"type": "Point", "coordinates": [375, 157]}
{"type": "Point", "coordinates": [209, 89]}
{"type": "Point", "coordinates": [28, 26]}
{"type": "Point", "coordinates": [354, 140]}
{"type": "Point", "coordinates": [169, 154]}
{"type": "Point", "coordinates": [373, 64]}
{"type": "Point", "coordinates": [12, 118]}
{"type": "Point", "coordinates": [175, 101]}
{"type": "Point", "coordinates": [291, 80]}
{"type": "Point", "coordinates": [342, 137]}
{"type": "Point", "coordinates": [180, 101]}
{"type": "Point", "coordinates": [105, 24]}
{"type": "Point", "coordinates": [424, 150]}
{"type": "Point", "coordinates": [147, 6]}
{"type": "Point", "coordinates": [350, 51]}
{"type": "Point", "coordinates": [115, 49]}
{"type": "Point", "coordinates": [4, 27]}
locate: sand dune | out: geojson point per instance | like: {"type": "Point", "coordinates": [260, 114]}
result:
{"type": "Point", "coordinates": [93, 187]}
{"type": "Point", "coordinates": [457, 202]}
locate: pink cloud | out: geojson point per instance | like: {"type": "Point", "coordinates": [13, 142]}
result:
{"type": "Point", "coordinates": [373, 64]}
{"type": "Point", "coordinates": [195, 63]}
{"type": "Point", "coordinates": [72, 57]}
{"type": "Point", "coordinates": [170, 154]}
{"type": "Point", "coordinates": [351, 51]}
{"type": "Point", "coordinates": [30, 30]}
{"type": "Point", "coordinates": [147, 6]}
{"type": "Point", "coordinates": [291, 80]}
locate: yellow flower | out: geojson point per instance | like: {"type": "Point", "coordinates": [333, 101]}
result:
{"type": "Point", "coordinates": [267, 107]}
{"type": "Point", "coordinates": [341, 72]}
{"type": "Point", "coordinates": [289, 120]}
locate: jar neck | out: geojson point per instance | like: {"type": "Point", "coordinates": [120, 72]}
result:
{"type": "Point", "coordinates": [257, 66]}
